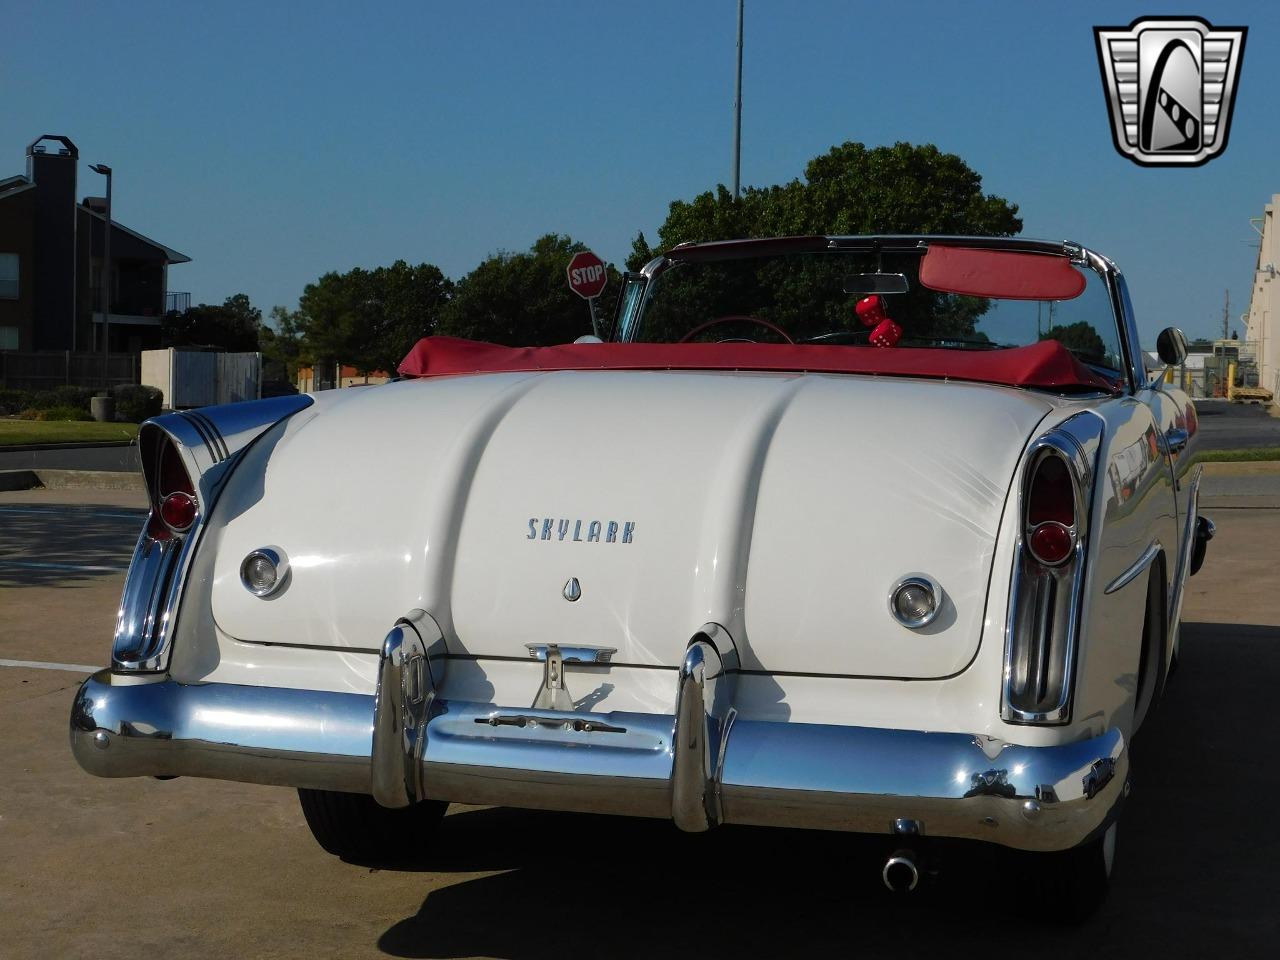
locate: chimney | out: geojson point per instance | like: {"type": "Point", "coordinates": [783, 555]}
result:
{"type": "Point", "coordinates": [51, 164]}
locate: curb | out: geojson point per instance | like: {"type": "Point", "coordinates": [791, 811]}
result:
{"type": "Point", "coordinates": [1239, 502]}
{"type": "Point", "coordinates": [70, 480]}
{"type": "Point", "coordinates": [77, 445]}
{"type": "Point", "coordinates": [1241, 468]}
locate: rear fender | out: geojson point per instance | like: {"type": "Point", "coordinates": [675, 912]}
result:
{"type": "Point", "coordinates": [209, 443]}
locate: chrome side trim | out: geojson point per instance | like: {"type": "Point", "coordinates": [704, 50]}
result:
{"type": "Point", "coordinates": [704, 716]}
{"type": "Point", "coordinates": [1186, 548]}
{"type": "Point", "coordinates": [1136, 569]}
{"type": "Point", "coordinates": [410, 671]}
{"type": "Point", "coordinates": [295, 738]}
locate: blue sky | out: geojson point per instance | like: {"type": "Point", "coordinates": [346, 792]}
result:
{"type": "Point", "coordinates": [273, 142]}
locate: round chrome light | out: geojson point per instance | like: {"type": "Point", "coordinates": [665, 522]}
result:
{"type": "Point", "coordinates": [915, 600]}
{"type": "Point", "coordinates": [263, 571]}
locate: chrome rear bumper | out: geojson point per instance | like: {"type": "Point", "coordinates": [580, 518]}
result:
{"type": "Point", "coordinates": [124, 727]}
{"type": "Point", "coordinates": [775, 774]}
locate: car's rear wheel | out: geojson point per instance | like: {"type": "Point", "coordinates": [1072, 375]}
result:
{"type": "Point", "coordinates": [355, 827]}
{"type": "Point", "coordinates": [1070, 885]}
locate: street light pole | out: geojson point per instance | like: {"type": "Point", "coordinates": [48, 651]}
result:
{"type": "Point", "coordinates": [105, 279]}
{"type": "Point", "coordinates": [737, 111]}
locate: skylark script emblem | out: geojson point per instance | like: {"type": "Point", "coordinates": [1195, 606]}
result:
{"type": "Point", "coordinates": [1170, 84]}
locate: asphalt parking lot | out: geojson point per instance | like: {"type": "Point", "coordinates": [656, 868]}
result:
{"type": "Point", "coordinates": [188, 868]}
{"type": "Point", "coordinates": [1236, 426]}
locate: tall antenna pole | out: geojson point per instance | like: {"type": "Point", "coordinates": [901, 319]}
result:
{"type": "Point", "coordinates": [1226, 308]}
{"type": "Point", "coordinates": [737, 112]}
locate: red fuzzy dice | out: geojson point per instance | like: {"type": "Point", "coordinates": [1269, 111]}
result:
{"type": "Point", "coordinates": [886, 334]}
{"type": "Point", "coordinates": [870, 311]}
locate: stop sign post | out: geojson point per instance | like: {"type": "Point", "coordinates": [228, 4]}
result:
{"type": "Point", "coordinates": [587, 277]}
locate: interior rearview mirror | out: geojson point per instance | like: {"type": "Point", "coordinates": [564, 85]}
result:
{"type": "Point", "coordinates": [1171, 346]}
{"type": "Point", "coordinates": [867, 283]}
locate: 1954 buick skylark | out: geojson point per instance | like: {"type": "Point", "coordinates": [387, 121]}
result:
{"type": "Point", "coordinates": [875, 534]}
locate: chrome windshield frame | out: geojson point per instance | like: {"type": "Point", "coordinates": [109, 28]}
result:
{"type": "Point", "coordinates": [1133, 371]}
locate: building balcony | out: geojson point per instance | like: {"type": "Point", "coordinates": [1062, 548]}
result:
{"type": "Point", "coordinates": [143, 312]}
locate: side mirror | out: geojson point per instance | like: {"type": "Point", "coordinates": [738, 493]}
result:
{"type": "Point", "coordinates": [1171, 346]}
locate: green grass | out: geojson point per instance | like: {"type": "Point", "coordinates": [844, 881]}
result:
{"type": "Point", "coordinates": [14, 432]}
{"type": "Point", "coordinates": [1239, 456]}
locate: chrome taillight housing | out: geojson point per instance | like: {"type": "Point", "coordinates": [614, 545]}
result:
{"type": "Point", "coordinates": [1041, 633]}
{"type": "Point", "coordinates": [150, 590]}
{"type": "Point", "coordinates": [174, 506]}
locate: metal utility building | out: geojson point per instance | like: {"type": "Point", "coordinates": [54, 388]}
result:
{"type": "Point", "coordinates": [51, 255]}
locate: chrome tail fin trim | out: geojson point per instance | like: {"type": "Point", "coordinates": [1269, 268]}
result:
{"type": "Point", "coordinates": [1045, 600]}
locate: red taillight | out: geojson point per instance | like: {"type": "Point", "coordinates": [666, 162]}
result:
{"type": "Point", "coordinates": [1051, 543]}
{"type": "Point", "coordinates": [1051, 510]}
{"type": "Point", "coordinates": [171, 477]}
{"type": "Point", "coordinates": [173, 495]}
{"type": "Point", "coordinates": [178, 511]}
{"type": "Point", "coordinates": [1051, 495]}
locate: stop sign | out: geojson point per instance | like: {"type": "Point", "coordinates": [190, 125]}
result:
{"type": "Point", "coordinates": [587, 276]}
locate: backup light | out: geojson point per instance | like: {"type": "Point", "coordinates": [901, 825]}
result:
{"type": "Point", "coordinates": [263, 571]}
{"type": "Point", "coordinates": [915, 601]}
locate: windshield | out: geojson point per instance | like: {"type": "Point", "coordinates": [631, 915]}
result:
{"type": "Point", "coordinates": [806, 297]}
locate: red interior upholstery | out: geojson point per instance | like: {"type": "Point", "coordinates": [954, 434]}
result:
{"type": "Point", "coordinates": [1048, 364]}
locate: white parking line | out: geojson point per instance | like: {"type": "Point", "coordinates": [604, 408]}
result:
{"type": "Point", "coordinates": [41, 665]}
{"type": "Point", "coordinates": [42, 565]}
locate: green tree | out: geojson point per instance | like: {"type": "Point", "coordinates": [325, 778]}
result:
{"type": "Point", "coordinates": [851, 189]}
{"type": "Point", "coordinates": [281, 344]}
{"type": "Point", "coordinates": [233, 326]}
{"type": "Point", "coordinates": [1081, 339]}
{"type": "Point", "coordinates": [408, 301]}
{"type": "Point", "coordinates": [369, 318]}
{"type": "Point", "coordinates": [523, 299]}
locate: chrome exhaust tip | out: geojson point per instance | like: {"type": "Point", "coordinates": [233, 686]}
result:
{"type": "Point", "coordinates": [900, 873]}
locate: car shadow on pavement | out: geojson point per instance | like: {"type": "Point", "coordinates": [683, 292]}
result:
{"type": "Point", "coordinates": [1199, 849]}
{"type": "Point", "coordinates": [47, 546]}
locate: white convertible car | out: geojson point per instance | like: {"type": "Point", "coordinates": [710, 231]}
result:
{"type": "Point", "coordinates": [875, 534]}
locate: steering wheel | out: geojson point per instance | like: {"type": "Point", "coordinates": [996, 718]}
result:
{"type": "Point", "coordinates": [735, 318]}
